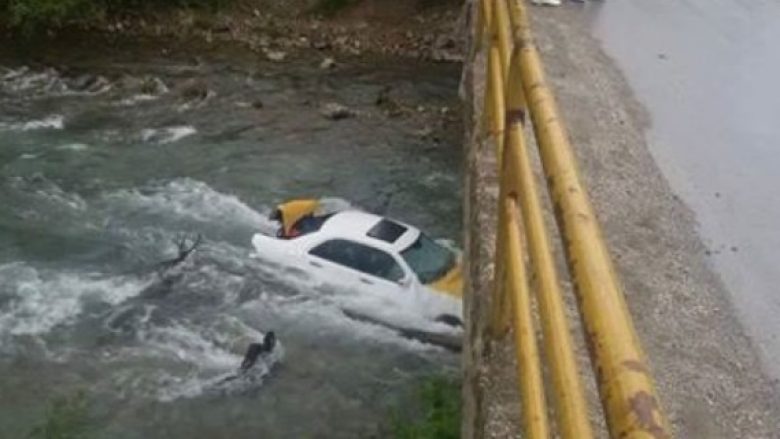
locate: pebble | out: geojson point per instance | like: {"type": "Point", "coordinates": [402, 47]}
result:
{"type": "Point", "coordinates": [336, 111]}
{"type": "Point", "coordinates": [321, 45]}
{"type": "Point", "coordinates": [328, 63]}
{"type": "Point", "coordinates": [275, 55]}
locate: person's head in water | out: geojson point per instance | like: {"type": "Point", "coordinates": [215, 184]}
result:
{"type": "Point", "coordinates": [269, 341]}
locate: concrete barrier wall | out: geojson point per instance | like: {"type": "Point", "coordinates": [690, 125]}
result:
{"type": "Point", "coordinates": [482, 416]}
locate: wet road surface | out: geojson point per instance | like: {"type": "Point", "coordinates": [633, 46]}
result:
{"type": "Point", "coordinates": [707, 71]}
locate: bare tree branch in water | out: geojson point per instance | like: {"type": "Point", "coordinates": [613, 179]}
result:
{"type": "Point", "coordinates": [185, 246]}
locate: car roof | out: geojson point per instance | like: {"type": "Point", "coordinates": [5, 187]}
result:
{"type": "Point", "coordinates": [355, 225]}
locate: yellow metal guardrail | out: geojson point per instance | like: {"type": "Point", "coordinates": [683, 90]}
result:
{"type": "Point", "coordinates": [515, 84]}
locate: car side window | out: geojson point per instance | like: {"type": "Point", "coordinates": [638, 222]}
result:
{"type": "Point", "coordinates": [360, 257]}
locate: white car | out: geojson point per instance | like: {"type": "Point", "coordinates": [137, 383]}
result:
{"type": "Point", "coordinates": [383, 258]}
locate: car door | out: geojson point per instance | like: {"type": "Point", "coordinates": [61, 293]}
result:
{"type": "Point", "coordinates": [358, 266]}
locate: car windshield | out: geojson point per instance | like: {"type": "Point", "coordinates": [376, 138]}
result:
{"type": "Point", "coordinates": [428, 259]}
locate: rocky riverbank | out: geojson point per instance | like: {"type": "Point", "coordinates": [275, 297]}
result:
{"type": "Point", "coordinates": [420, 29]}
{"type": "Point", "coordinates": [291, 32]}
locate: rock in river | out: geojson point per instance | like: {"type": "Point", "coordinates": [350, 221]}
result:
{"type": "Point", "coordinates": [336, 111]}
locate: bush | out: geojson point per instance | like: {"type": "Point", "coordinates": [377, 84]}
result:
{"type": "Point", "coordinates": [331, 7]}
{"type": "Point", "coordinates": [31, 12]}
{"type": "Point", "coordinates": [440, 406]}
{"type": "Point", "coordinates": [52, 13]}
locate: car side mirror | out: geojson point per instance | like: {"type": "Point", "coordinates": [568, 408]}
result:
{"type": "Point", "coordinates": [405, 282]}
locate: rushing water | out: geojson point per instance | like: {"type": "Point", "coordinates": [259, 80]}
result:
{"type": "Point", "coordinates": [100, 174]}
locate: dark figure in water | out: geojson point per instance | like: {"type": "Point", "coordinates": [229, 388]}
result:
{"type": "Point", "coordinates": [255, 350]}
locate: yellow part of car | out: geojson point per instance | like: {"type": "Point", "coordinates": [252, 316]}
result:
{"type": "Point", "coordinates": [451, 283]}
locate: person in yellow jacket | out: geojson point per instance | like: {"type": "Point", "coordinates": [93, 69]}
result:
{"type": "Point", "coordinates": [294, 216]}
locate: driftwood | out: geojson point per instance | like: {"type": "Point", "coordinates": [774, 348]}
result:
{"type": "Point", "coordinates": [450, 342]}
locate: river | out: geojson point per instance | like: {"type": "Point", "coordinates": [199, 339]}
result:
{"type": "Point", "coordinates": [110, 154]}
{"type": "Point", "coordinates": [707, 71]}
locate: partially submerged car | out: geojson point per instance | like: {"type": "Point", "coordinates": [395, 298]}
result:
{"type": "Point", "coordinates": [368, 252]}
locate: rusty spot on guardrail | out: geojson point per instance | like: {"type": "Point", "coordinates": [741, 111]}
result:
{"type": "Point", "coordinates": [644, 406]}
{"type": "Point", "coordinates": [635, 366]}
{"type": "Point", "coordinates": [515, 116]}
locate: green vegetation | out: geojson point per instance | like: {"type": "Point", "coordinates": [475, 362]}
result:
{"type": "Point", "coordinates": [30, 14]}
{"type": "Point", "coordinates": [66, 418]}
{"type": "Point", "coordinates": [440, 409]}
{"type": "Point", "coordinates": [331, 7]}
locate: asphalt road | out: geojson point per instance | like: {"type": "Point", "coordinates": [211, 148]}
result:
{"type": "Point", "coordinates": [707, 72]}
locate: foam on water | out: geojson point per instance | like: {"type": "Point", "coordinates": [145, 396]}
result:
{"type": "Point", "coordinates": [48, 82]}
{"type": "Point", "coordinates": [180, 342]}
{"type": "Point", "coordinates": [167, 135]}
{"type": "Point", "coordinates": [211, 355]}
{"type": "Point", "coordinates": [197, 200]}
{"type": "Point", "coordinates": [135, 99]}
{"type": "Point", "coordinates": [174, 387]}
{"type": "Point", "coordinates": [76, 147]}
{"type": "Point", "coordinates": [52, 122]}
{"type": "Point", "coordinates": [25, 80]}
{"type": "Point", "coordinates": [40, 300]}
{"type": "Point", "coordinates": [325, 315]}
{"type": "Point", "coordinates": [193, 200]}
{"type": "Point", "coordinates": [56, 122]}
{"type": "Point", "coordinates": [38, 189]}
